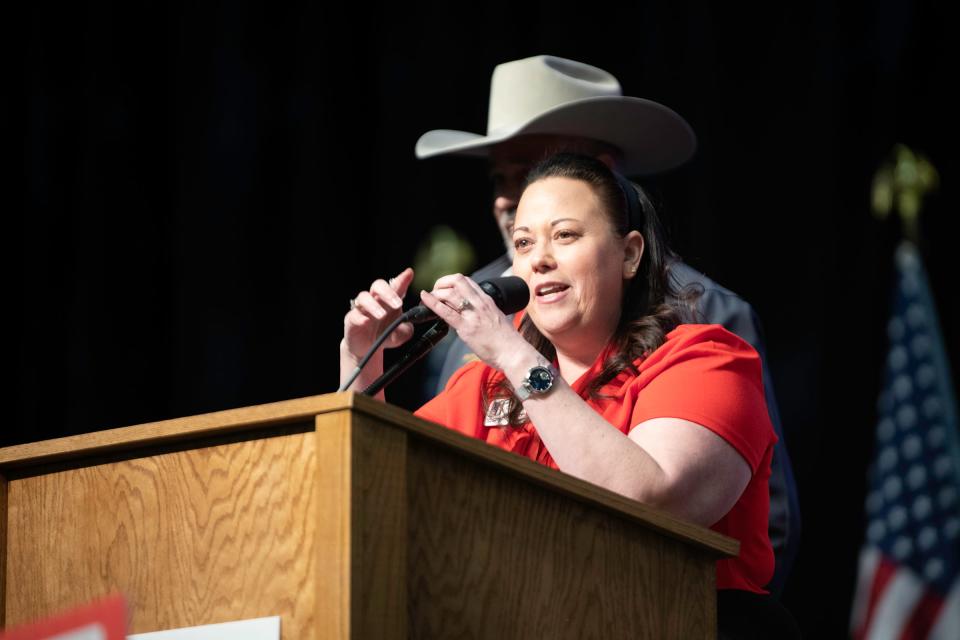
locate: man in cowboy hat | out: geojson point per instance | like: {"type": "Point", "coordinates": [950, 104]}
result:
{"type": "Point", "coordinates": [545, 104]}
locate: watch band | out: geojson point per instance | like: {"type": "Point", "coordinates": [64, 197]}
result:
{"type": "Point", "coordinates": [523, 392]}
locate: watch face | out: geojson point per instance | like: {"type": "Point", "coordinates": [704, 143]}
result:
{"type": "Point", "coordinates": [540, 379]}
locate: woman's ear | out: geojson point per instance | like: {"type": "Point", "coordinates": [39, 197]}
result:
{"type": "Point", "coordinates": [632, 253]}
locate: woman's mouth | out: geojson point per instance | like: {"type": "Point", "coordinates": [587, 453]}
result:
{"type": "Point", "coordinates": [551, 292]}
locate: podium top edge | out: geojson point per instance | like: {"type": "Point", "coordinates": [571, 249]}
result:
{"type": "Point", "coordinates": [172, 430]}
{"type": "Point", "coordinates": [21, 458]}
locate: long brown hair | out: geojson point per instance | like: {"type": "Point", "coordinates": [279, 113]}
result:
{"type": "Point", "coordinates": [646, 315]}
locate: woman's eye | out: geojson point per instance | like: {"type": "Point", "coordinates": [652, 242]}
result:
{"type": "Point", "coordinates": [520, 243]}
{"type": "Point", "coordinates": [566, 234]}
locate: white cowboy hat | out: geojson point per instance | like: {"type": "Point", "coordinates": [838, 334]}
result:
{"type": "Point", "coordinates": [556, 96]}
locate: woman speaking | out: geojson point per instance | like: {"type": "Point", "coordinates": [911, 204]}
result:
{"type": "Point", "coordinates": [601, 379]}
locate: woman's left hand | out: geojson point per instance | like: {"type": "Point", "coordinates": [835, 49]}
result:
{"type": "Point", "coordinates": [462, 304]}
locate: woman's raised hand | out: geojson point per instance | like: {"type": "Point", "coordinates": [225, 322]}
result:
{"type": "Point", "coordinates": [462, 304]}
{"type": "Point", "coordinates": [371, 312]}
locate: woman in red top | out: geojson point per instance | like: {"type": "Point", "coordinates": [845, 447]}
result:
{"type": "Point", "coordinates": [601, 380]}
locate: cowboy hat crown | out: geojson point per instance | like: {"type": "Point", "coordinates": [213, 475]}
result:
{"type": "Point", "coordinates": [556, 96]}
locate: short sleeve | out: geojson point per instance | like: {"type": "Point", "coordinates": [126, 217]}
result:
{"type": "Point", "coordinates": [713, 378]}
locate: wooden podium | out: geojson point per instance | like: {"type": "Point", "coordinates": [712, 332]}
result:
{"type": "Point", "coordinates": [349, 519]}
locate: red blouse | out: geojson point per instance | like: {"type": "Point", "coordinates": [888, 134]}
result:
{"type": "Point", "coordinates": [701, 373]}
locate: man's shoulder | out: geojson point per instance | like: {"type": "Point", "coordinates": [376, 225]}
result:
{"type": "Point", "coordinates": [715, 304]}
{"type": "Point", "coordinates": [684, 276]}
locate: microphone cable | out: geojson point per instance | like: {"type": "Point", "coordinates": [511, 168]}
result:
{"type": "Point", "coordinates": [427, 341]}
{"type": "Point", "coordinates": [376, 345]}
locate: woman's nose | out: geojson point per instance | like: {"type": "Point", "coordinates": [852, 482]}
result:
{"type": "Point", "coordinates": [541, 257]}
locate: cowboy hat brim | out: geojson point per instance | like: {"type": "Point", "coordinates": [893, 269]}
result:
{"type": "Point", "coordinates": [652, 137]}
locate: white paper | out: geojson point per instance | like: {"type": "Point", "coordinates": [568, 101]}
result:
{"type": "Point", "coordinates": [93, 631]}
{"type": "Point", "coordinates": [254, 629]}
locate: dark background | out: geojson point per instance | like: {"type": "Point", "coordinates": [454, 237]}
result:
{"type": "Point", "coordinates": [204, 188]}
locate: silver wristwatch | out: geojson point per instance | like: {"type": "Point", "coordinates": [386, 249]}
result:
{"type": "Point", "coordinates": [538, 381]}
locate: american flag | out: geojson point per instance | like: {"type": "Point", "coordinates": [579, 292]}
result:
{"type": "Point", "coordinates": [907, 585]}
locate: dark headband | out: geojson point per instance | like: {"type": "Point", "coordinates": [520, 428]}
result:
{"type": "Point", "coordinates": [634, 210]}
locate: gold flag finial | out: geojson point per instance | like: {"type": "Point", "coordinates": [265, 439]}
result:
{"type": "Point", "coordinates": [900, 185]}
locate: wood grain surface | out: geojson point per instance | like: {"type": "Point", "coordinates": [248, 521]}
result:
{"type": "Point", "coordinates": [494, 558]}
{"type": "Point", "coordinates": [192, 537]}
{"type": "Point", "coordinates": [375, 524]}
{"type": "Point", "coordinates": [380, 529]}
{"type": "Point", "coordinates": [189, 428]}
{"type": "Point", "coordinates": [22, 458]}
{"type": "Point", "coordinates": [3, 550]}
{"type": "Point", "coordinates": [525, 470]}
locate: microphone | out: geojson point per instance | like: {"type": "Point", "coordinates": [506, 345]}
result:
{"type": "Point", "coordinates": [427, 341]}
{"type": "Point", "coordinates": [509, 293]}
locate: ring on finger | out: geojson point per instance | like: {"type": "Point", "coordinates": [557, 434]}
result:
{"type": "Point", "coordinates": [353, 303]}
{"type": "Point", "coordinates": [464, 305]}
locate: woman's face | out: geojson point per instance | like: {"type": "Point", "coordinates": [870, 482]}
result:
{"type": "Point", "coordinates": [573, 261]}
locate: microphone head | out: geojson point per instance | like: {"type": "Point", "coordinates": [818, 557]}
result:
{"type": "Point", "coordinates": [510, 293]}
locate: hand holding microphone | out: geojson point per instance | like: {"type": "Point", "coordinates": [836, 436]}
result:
{"type": "Point", "coordinates": [476, 311]}
{"type": "Point", "coordinates": [376, 313]}
{"type": "Point", "coordinates": [510, 294]}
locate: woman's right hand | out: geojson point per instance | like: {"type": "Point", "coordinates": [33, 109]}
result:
{"type": "Point", "coordinates": [372, 311]}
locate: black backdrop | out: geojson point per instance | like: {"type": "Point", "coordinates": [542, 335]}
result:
{"type": "Point", "coordinates": [204, 188]}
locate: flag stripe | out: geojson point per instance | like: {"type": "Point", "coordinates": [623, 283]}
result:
{"type": "Point", "coordinates": [923, 617]}
{"type": "Point", "coordinates": [948, 625]}
{"type": "Point", "coordinates": [881, 578]}
{"type": "Point", "coordinates": [869, 560]}
{"type": "Point", "coordinates": [892, 610]}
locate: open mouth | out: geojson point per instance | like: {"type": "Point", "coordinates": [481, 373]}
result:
{"type": "Point", "coordinates": [550, 291]}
